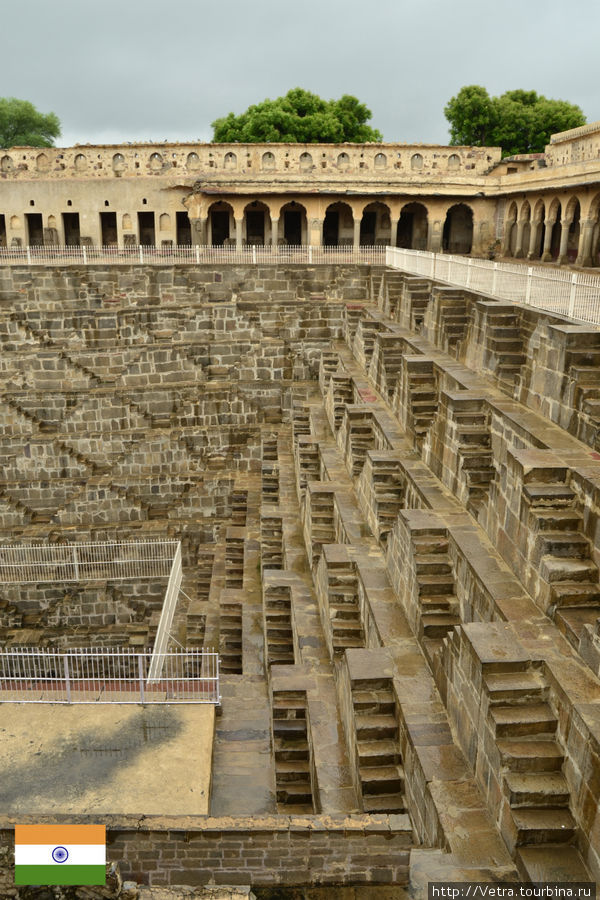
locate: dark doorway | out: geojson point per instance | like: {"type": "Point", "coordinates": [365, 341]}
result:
{"type": "Point", "coordinates": [184, 229]}
{"type": "Point", "coordinates": [405, 230]}
{"type": "Point", "coordinates": [71, 227]}
{"type": "Point", "coordinates": [331, 228]}
{"type": "Point", "coordinates": [2, 231]}
{"type": "Point", "coordinates": [292, 227]}
{"type": "Point", "coordinates": [255, 226]}
{"type": "Point", "coordinates": [555, 239]}
{"type": "Point", "coordinates": [108, 227]}
{"type": "Point", "coordinates": [367, 229]}
{"type": "Point", "coordinates": [458, 229]}
{"type": "Point", "coordinates": [146, 229]}
{"type": "Point", "coordinates": [219, 222]}
{"type": "Point", "coordinates": [35, 231]}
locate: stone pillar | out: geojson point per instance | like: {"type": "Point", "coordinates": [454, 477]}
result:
{"type": "Point", "coordinates": [274, 231]}
{"type": "Point", "coordinates": [394, 230]}
{"type": "Point", "coordinates": [534, 231]}
{"type": "Point", "coordinates": [356, 239]}
{"type": "Point", "coordinates": [564, 241]}
{"type": "Point", "coordinates": [199, 231]}
{"type": "Point", "coordinates": [238, 233]}
{"type": "Point", "coordinates": [547, 254]}
{"type": "Point", "coordinates": [519, 253]}
{"type": "Point", "coordinates": [508, 227]}
{"type": "Point", "coordinates": [584, 251]}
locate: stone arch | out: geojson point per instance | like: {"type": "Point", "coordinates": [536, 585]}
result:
{"type": "Point", "coordinates": [293, 224]}
{"type": "Point", "coordinates": [230, 161]}
{"type": "Point", "coordinates": [164, 222]}
{"type": "Point", "coordinates": [155, 162]}
{"type": "Point", "coordinates": [554, 216]}
{"type": "Point", "coordinates": [221, 224]}
{"type": "Point", "coordinates": [306, 162]}
{"type": "Point", "coordinates": [375, 225]}
{"type": "Point", "coordinates": [338, 225]}
{"type": "Point", "coordinates": [380, 161]}
{"type": "Point", "coordinates": [42, 162]}
{"type": "Point", "coordinates": [416, 161]}
{"type": "Point", "coordinates": [539, 226]}
{"type": "Point", "coordinates": [192, 162]}
{"type": "Point", "coordinates": [525, 219]}
{"type": "Point", "coordinates": [413, 227]}
{"type": "Point", "coordinates": [457, 236]}
{"type": "Point", "coordinates": [257, 223]}
{"type": "Point", "coordinates": [268, 161]}
{"type": "Point", "coordinates": [6, 163]}
{"type": "Point", "coordinates": [343, 162]}
{"type": "Point", "coordinates": [118, 162]}
{"type": "Point", "coordinates": [80, 162]}
{"type": "Point", "coordinates": [453, 162]}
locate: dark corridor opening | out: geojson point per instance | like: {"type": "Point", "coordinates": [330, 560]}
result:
{"type": "Point", "coordinates": [367, 229]}
{"type": "Point", "coordinates": [2, 231]}
{"type": "Point", "coordinates": [146, 229]}
{"type": "Point", "coordinates": [331, 228]}
{"type": "Point", "coordinates": [219, 223]}
{"type": "Point", "coordinates": [108, 227]}
{"type": "Point", "coordinates": [292, 227]}
{"type": "Point", "coordinates": [35, 230]}
{"type": "Point", "coordinates": [72, 231]}
{"type": "Point", "coordinates": [184, 229]}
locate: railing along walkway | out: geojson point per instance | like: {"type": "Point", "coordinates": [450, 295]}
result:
{"type": "Point", "coordinates": [97, 675]}
{"type": "Point", "coordinates": [572, 294]}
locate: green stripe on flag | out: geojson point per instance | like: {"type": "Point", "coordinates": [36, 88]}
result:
{"type": "Point", "coordinates": [60, 874]}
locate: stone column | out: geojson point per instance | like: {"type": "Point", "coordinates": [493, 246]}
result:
{"type": "Point", "coordinates": [508, 227]}
{"type": "Point", "coordinates": [274, 231]}
{"type": "Point", "coordinates": [564, 241]}
{"type": "Point", "coordinates": [519, 254]}
{"type": "Point", "coordinates": [584, 251]}
{"type": "Point", "coordinates": [199, 231]}
{"type": "Point", "coordinates": [535, 227]}
{"type": "Point", "coordinates": [547, 254]}
{"type": "Point", "coordinates": [356, 239]}
{"type": "Point", "coordinates": [394, 230]}
{"type": "Point", "coordinates": [238, 233]}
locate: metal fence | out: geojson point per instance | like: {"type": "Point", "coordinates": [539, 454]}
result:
{"type": "Point", "coordinates": [188, 255]}
{"type": "Point", "coordinates": [572, 294]}
{"type": "Point", "coordinates": [91, 675]}
{"type": "Point", "coordinates": [59, 563]}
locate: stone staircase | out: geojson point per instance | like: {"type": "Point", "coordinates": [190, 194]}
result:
{"type": "Point", "coordinates": [230, 635]}
{"type": "Point", "coordinates": [270, 483]}
{"type": "Point", "coordinates": [322, 530]}
{"type": "Point", "coordinates": [387, 363]}
{"type": "Point", "coordinates": [308, 462]}
{"type": "Point", "coordinates": [453, 313]}
{"type": "Point", "coordinates": [293, 781]}
{"type": "Point", "coordinates": [504, 340]}
{"type": "Point", "coordinates": [531, 758]}
{"type": "Point", "coordinates": [360, 436]}
{"type": "Point", "coordinates": [300, 421]}
{"type": "Point", "coordinates": [378, 747]}
{"type": "Point", "coordinates": [342, 392]}
{"type": "Point", "coordinates": [234, 561]}
{"type": "Point", "coordinates": [563, 553]}
{"type": "Point", "coordinates": [417, 294]}
{"type": "Point", "coordinates": [389, 488]}
{"type": "Point", "coordinates": [277, 622]}
{"type": "Point", "coordinates": [436, 586]}
{"type": "Point", "coordinates": [475, 455]}
{"type": "Point", "coordinates": [343, 602]}
{"type": "Point", "coordinates": [422, 395]}
{"type": "Point", "coordinates": [364, 340]}
{"type": "Point", "coordinates": [271, 542]}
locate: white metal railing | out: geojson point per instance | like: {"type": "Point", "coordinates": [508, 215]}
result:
{"type": "Point", "coordinates": [59, 563]}
{"type": "Point", "coordinates": [188, 255]}
{"type": "Point", "coordinates": [90, 675]}
{"type": "Point", "coordinates": [560, 291]}
{"type": "Point", "coordinates": [163, 633]}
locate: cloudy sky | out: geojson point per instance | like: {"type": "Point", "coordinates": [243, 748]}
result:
{"type": "Point", "coordinates": [127, 70]}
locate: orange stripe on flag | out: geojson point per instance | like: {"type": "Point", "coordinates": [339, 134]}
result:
{"type": "Point", "coordinates": [60, 834]}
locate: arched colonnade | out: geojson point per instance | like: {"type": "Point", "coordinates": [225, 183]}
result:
{"type": "Point", "coordinates": [560, 228]}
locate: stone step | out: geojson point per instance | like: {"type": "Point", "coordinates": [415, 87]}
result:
{"type": "Point", "coordinates": [504, 686]}
{"type": "Point", "coordinates": [537, 789]}
{"type": "Point", "coordinates": [506, 344]}
{"type": "Point", "coordinates": [563, 544]}
{"type": "Point", "coordinates": [292, 770]}
{"type": "Point", "coordinates": [556, 495]}
{"type": "Point", "coordinates": [442, 603]}
{"type": "Point", "coordinates": [555, 520]}
{"type": "Point", "coordinates": [375, 702]}
{"type": "Point", "coordinates": [432, 564]}
{"type": "Point", "coordinates": [435, 584]}
{"type": "Point", "coordinates": [378, 753]}
{"type": "Point", "coordinates": [535, 718]}
{"type": "Point", "coordinates": [289, 728]}
{"type": "Point", "coordinates": [384, 803]}
{"type": "Point", "coordinates": [294, 793]}
{"type": "Point", "coordinates": [382, 779]}
{"type": "Point", "coordinates": [429, 543]}
{"type": "Point", "coordinates": [522, 755]}
{"type": "Point", "coordinates": [558, 864]}
{"type": "Point", "coordinates": [374, 727]}
{"type": "Point", "coordinates": [542, 826]}
{"type": "Point", "coordinates": [437, 625]}
{"type": "Point", "coordinates": [555, 568]}
{"type": "Point", "coordinates": [290, 750]}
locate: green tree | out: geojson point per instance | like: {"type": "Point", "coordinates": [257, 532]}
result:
{"type": "Point", "coordinates": [518, 121]}
{"type": "Point", "coordinates": [22, 125]}
{"type": "Point", "coordinates": [298, 117]}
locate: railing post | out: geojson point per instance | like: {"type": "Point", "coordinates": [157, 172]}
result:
{"type": "Point", "coordinates": [75, 564]}
{"type": "Point", "coordinates": [141, 676]}
{"type": "Point", "coordinates": [254, 254]}
{"type": "Point", "coordinates": [310, 255]}
{"type": "Point", "coordinates": [197, 255]}
{"type": "Point", "coordinates": [141, 254]}
{"type": "Point", "coordinates": [572, 294]}
{"type": "Point", "coordinates": [469, 264]}
{"type": "Point", "coordinates": [433, 265]}
{"type": "Point", "coordinates": [28, 255]}
{"type": "Point", "coordinates": [67, 678]}
{"type": "Point", "coordinates": [529, 284]}
{"type": "Point", "coordinates": [84, 253]}
{"type": "Point", "coordinates": [494, 279]}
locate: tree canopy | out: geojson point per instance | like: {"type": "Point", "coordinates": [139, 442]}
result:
{"type": "Point", "coordinates": [22, 125]}
{"type": "Point", "coordinates": [299, 117]}
{"type": "Point", "coordinates": [518, 121]}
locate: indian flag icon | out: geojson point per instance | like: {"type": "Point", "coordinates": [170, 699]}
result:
{"type": "Point", "coordinates": [60, 854]}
